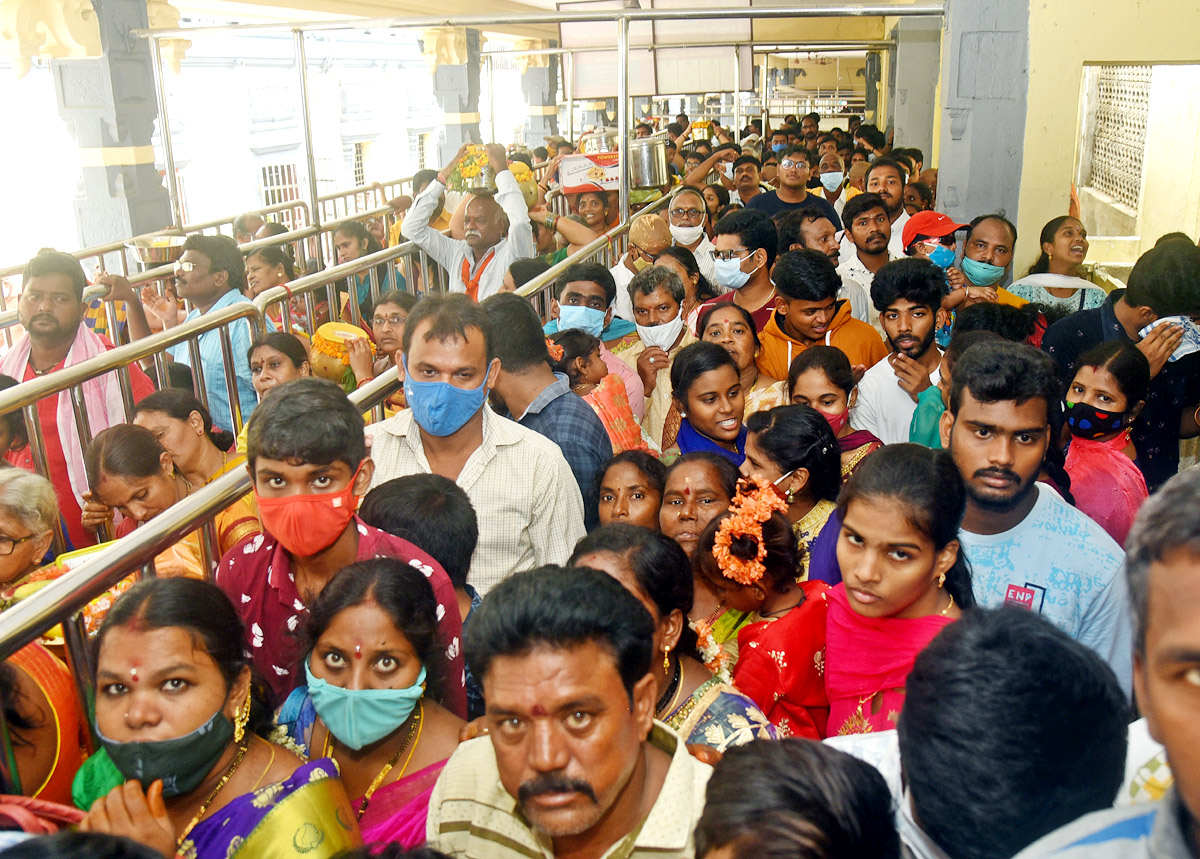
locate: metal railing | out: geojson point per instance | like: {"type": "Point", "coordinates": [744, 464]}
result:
{"type": "Point", "coordinates": [62, 600]}
{"type": "Point", "coordinates": [403, 260]}
{"type": "Point", "coordinates": [607, 248]}
{"type": "Point", "coordinates": [356, 201]}
{"type": "Point", "coordinates": [70, 380]}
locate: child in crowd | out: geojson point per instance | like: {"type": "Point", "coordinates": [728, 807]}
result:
{"type": "Point", "coordinates": [904, 578]}
{"type": "Point", "coordinates": [434, 513]}
{"type": "Point", "coordinates": [707, 392]}
{"type": "Point", "coordinates": [749, 558]}
{"type": "Point", "coordinates": [1104, 398]}
{"type": "Point", "coordinates": [821, 377]}
{"type": "Point", "coordinates": [308, 461]}
{"type": "Point", "coordinates": [631, 490]}
{"type": "Point", "coordinates": [576, 354]}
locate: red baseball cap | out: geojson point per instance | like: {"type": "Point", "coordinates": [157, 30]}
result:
{"type": "Point", "coordinates": [933, 224]}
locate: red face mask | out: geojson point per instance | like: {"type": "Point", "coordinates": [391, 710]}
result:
{"type": "Point", "coordinates": [306, 524]}
{"type": "Point", "coordinates": [836, 422]}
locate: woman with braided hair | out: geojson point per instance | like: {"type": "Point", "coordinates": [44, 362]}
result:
{"type": "Point", "coordinates": [794, 449]}
{"type": "Point", "coordinates": [748, 556]}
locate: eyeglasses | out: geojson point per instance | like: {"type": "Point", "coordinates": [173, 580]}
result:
{"type": "Point", "coordinates": [394, 321]}
{"type": "Point", "coordinates": [188, 266]}
{"type": "Point", "coordinates": [7, 544]}
{"type": "Point", "coordinates": [788, 164]}
{"type": "Point", "coordinates": [728, 255]}
{"type": "Point", "coordinates": [689, 214]}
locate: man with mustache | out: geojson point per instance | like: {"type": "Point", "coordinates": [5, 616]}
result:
{"type": "Point", "coordinates": [1026, 545]}
{"type": "Point", "coordinates": [866, 240]}
{"type": "Point", "coordinates": [908, 295]}
{"type": "Point", "coordinates": [51, 310]}
{"type": "Point", "coordinates": [497, 229]}
{"type": "Point", "coordinates": [573, 763]}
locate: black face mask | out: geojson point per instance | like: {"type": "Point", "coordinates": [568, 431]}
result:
{"type": "Point", "coordinates": [181, 762]}
{"type": "Point", "coordinates": [1089, 422]}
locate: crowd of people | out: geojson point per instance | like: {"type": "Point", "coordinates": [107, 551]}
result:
{"type": "Point", "coordinates": [808, 528]}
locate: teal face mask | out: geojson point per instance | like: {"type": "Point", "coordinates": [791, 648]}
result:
{"type": "Point", "coordinates": [181, 762]}
{"type": "Point", "coordinates": [981, 273]}
{"type": "Point", "coordinates": [360, 717]}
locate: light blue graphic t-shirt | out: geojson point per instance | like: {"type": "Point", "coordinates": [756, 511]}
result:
{"type": "Point", "coordinates": [1062, 565]}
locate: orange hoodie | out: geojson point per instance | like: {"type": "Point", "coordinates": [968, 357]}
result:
{"type": "Point", "coordinates": [857, 339]}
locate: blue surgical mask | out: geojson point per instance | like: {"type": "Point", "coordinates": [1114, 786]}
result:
{"type": "Point", "coordinates": [833, 180]}
{"type": "Point", "coordinates": [778, 147]}
{"type": "Point", "coordinates": [981, 273]}
{"type": "Point", "coordinates": [586, 319]}
{"type": "Point", "coordinates": [440, 408]}
{"type": "Point", "coordinates": [729, 273]}
{"type": "Point", "coordinates": [942, 256]}
{"type": "Point", "coordinates": [359, 717]}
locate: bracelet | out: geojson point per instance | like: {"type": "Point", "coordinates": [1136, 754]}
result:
{"type": "Point", "coordinates": [550, 221]}
{"type": "Point", "coordinates": [1196, 416]}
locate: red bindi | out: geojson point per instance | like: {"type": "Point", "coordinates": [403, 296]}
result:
{"type": "Point", "coordinates": [539, 710]}
{"type": "Point", "coordinates": [358, 651]}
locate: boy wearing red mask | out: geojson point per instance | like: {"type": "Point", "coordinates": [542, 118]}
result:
{"type": "Point", "coordinates": [308, 459]}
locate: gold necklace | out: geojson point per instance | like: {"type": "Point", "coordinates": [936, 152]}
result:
{"type": "Point", "coordinates": [949, 606]}
{"type": "Point", "coordinates": [241, 753]}
{"type": "Point", "coordinates": [417, 726]}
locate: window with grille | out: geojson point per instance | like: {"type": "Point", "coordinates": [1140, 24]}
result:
{"type": "Point", "coordinates": [360, 173]}
{"type": "Point", "coordinates": [279, 184]}
{"type": "Point", "coordinates": [1116, 107]}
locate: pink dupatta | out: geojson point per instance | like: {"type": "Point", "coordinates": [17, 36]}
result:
{"type": "Point", "coordinates": [867, 660]}
{"type": "Point", "coordinates": [101, 396]}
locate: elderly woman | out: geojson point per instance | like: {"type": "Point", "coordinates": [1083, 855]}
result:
{"type": "Point", "coordinates": [28, 513]}
{"type": "Point", "coordinates": [35, 688]}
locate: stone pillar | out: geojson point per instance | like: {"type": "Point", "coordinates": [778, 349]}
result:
{"type": "Point", "coordinates": [452, 54]}
{"type": "Point", "coordinates": [985, 84]}
{"type": "Point", "coordinates": [918, 50]}
{"type": "Point", "coordinates": [109, 105]}
{"type": "Point", "coordinates": [539, 82]}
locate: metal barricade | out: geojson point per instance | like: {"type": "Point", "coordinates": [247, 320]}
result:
{"type": "Point", "coordinates": [26, 396]}
{"type": "Point", "coordinates": [61, 601]}
{"type": "Point", "coordinates": [401, 260]}
{"type": "Point", "coordinates": [607, 249]}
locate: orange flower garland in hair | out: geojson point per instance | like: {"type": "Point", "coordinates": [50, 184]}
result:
{"type": "Point", "coordinates": [753, 505]}
{"type": "Point", "coordinates": [556, 351]}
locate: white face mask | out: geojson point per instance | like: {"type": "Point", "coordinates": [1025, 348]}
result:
{"type": "Point", "coordinates": [663, 336]}
{"type": "Point", "coordinates": [686, 235]}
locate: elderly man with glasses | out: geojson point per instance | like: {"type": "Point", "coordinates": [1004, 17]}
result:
{"type": "Point", "coordinates": [687, 220]}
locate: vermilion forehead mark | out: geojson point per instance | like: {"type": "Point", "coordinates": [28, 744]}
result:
{"type": "Point", "coordinates": [539, 710]}
{"type": "Point", "coordinates": [358, 651]}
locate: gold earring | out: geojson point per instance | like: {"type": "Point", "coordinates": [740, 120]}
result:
{"type": "Point", "coordinates": [666, 660]}
{"type": "Point", "coordinates": [941, 580]}
{"type": "Point", "coordinates": [241, 717]}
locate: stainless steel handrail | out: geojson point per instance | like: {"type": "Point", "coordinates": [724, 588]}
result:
{"type": "Point", "coordinates": [100, 251]}
{"type": "Point", "coordinates": [57, 601]}
{"type": "Point", "coordinates": [535, 291]}
{"type": "Point", "coordinates": [306, 287]}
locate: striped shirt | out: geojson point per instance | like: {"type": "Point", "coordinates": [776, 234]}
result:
{"type": "Point", "coordinates": [529, 508]}
{"type": "Point", "coordinates": [472, 815]}
{"type": "Point", "coordinates": [1152, 831]}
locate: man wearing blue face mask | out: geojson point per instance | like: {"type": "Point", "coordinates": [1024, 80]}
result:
{"type": "Point", "coordinates": [586, 294]}
{"type": "Point", "coordinates": [831, 171]}
{"type": "Point", "coordinates": [530, 508]}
